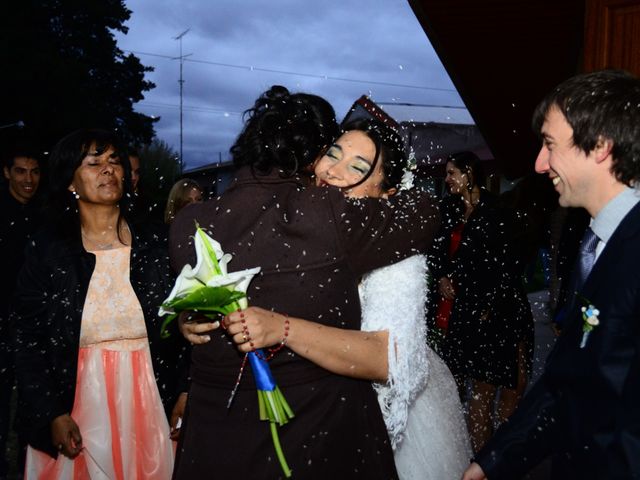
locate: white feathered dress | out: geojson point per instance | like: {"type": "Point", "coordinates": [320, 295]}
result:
{"type": "Point", "coordinates": [420, 400]}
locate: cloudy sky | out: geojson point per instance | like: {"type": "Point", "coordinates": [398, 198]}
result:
{"type": "Point", "coordinates": [339, 49]}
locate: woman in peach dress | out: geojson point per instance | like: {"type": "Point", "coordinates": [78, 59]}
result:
{"type": "Point", "coordinates": [93, 371]}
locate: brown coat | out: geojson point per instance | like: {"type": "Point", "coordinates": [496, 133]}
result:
{"type": "Point", "coordinates": [313, 245]}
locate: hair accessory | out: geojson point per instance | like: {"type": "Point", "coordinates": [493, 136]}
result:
{"type": "Point", "coordinates": [408, 178]}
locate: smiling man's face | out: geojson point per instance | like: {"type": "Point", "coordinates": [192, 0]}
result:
{"type": "Point", "coordinates": [23, 177]}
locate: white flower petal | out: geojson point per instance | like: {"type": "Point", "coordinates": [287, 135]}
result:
{"type": "Point", "coordinates": [222, 261]}
{"type": "Point", "coordinates": [236, 280]}
{"type": "Point", "coordinates": [185, 283]}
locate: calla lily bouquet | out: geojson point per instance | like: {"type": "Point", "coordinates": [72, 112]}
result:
{"type": "Point", "coordinates": [208, 288]}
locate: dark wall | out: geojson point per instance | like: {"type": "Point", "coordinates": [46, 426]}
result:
{"type": "Point", "coordinates": [503, 57]}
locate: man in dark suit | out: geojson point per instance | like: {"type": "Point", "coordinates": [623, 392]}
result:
{"type": "Point", "coordinates": [585, 409]}
{"type": "Point", "coordinates": [19, 218]}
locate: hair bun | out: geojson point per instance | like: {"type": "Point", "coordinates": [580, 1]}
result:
{"type": "Point", "coordinates": [277, 92]}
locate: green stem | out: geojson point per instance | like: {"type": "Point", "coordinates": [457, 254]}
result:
{"type": "Point", "coordinates": [283, 402]}
{"type": "Point", "coordinates": [261, 407]}
{"type": "Point", "coordinates": [279, 453]}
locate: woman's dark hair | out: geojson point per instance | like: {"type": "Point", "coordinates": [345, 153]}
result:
{"type": "Point", "coordinates": [389, 148]}
{"type": "Point", "coordinates": [284, 131]}
{"type": "Point", "coordinates": [601, 105]}
{"type": "Point", "coordinates": [470, 164]}
{"type": "Point", "coordinates": [66, 157]}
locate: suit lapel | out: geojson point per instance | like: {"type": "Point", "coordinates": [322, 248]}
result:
{"type": "Point", "coordinates": [607, 260]}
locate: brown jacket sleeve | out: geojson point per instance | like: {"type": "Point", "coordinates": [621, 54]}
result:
{"type": "Point", "coordinates": [379, 232]}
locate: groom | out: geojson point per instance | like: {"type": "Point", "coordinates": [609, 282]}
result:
{"type": "Point", "coordinates": [585, 409]}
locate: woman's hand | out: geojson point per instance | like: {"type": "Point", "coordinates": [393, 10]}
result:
{"type": "Point", "coordinates": [445, 288]}
{"type": "Point", "coordinates": [254, 328]}
{"type": "Point", "coordinates": [65, 436]}
{"type": "Point", "coordinates": [196, 331]}
{"type": "Point", "coordinates": [474, 472]}
{"type": "Point", "coordinates": [177, 414]}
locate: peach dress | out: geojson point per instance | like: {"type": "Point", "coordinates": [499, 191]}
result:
{"type": "Point", "coordinates": [117, 405]}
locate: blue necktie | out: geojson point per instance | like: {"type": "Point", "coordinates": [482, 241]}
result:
{"type": "Point", "coordinates": [586, 256]}
{"type": "Point", "coordinates": [581, 269]}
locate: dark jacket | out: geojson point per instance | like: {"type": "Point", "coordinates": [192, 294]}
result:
{"type": "Point", "coordinates": [18, 222]}
{"type": "Point", "coordinates": [49, 300]}
{"type": "Point", "coordinates": [585, 409]}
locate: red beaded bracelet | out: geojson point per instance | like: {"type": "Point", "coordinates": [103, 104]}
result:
{"type": "Point", "coordinates": [283, 342]}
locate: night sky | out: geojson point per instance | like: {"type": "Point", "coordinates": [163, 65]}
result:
{"type": "Point", "coordinates": [336, 49]}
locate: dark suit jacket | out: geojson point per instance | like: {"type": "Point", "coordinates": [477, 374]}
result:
{"type": "Point", "coordinates": [585, 409]}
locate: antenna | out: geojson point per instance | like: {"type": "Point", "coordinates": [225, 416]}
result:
{"type": "Point", "coordinates": [181, 82]}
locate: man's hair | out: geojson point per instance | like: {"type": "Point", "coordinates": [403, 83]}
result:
{"type": "Point", "coordinates": [9, 156]}
{"type": "Point", "coordinates": [601, 105]}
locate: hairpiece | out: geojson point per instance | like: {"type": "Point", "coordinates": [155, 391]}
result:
{"type": "Point", "coordinates": [408, 177]}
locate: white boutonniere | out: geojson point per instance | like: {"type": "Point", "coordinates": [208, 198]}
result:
{"type": "Point", "coordinates": [590, 321]}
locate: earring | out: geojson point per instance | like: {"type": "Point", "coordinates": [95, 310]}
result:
{"type": "Point", "coordinates": [75, 194]}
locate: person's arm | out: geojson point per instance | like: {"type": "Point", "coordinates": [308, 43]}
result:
{"type": "Point", "coordinates": [35, 379]}
{"type": "Point", "coordinates": [474, 472]}
{"type": "Point", "coordinates": [527, 437]}
{"type": "Point", "coordinates": [376, 232]}
{"type": "Point", "coordinates": [352, 353]}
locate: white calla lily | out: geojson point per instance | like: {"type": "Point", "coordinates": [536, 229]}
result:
{"type": "Point", "coordinates": [238, 281]}
{"type": "Point", "coordinates": [209, 271]}
{"type": "Point", "coordinates": [185, 283]}
{"type": "Point", "coordinates": [205, 267]}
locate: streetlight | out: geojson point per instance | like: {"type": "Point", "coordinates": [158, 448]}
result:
{"type": "Point", "coordinates": [18, 124]}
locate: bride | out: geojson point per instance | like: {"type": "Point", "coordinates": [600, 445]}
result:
{"type": "Point", "coordinates": [419, 399]}
{"type": "Point", "coordinates": [416, 392]}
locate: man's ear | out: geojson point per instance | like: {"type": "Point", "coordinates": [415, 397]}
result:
{"type": "Point", "coordinates": [6, 173]}
{"type": "Point", "coordinates": [603, 148]}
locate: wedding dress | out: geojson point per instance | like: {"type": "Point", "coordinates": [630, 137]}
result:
{"type": "Point", "coordinates": [420, 400]}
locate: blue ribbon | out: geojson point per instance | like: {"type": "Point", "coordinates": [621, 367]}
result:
{"type": "Point", "coordinates": [261, 372]}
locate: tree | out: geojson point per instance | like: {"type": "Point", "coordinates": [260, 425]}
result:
{"type": "Point", "coordinates": [159, 169]}
{"type": "Point", "coordinates": [62, 69]}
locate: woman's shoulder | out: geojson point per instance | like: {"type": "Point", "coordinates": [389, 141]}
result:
{"type": "Point", "coordinates": [407, 270]}
{"type": "Point", "coordinates": [54, 240]}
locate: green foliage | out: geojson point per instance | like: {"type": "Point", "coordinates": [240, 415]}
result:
{"type": "Point", "coordinates": [159, 170]}
{"type": "Point", "coordinates": [62, 69]}
{"type": "Point", "coordinates": [206, 300]}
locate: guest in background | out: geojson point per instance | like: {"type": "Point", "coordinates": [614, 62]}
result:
{"type": "Point", "coordinates": [19, 219]}
{"type": "Point", "coordinates": [182, 193]}
{"type": "Point", "coordinates": [134, 160]}
{"type": "Point", "coordinates": [94, 378]}
{"type": "Point", "coordinates": [146, 206]}
{"type": "Point", "coordinates": [488, 318]}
